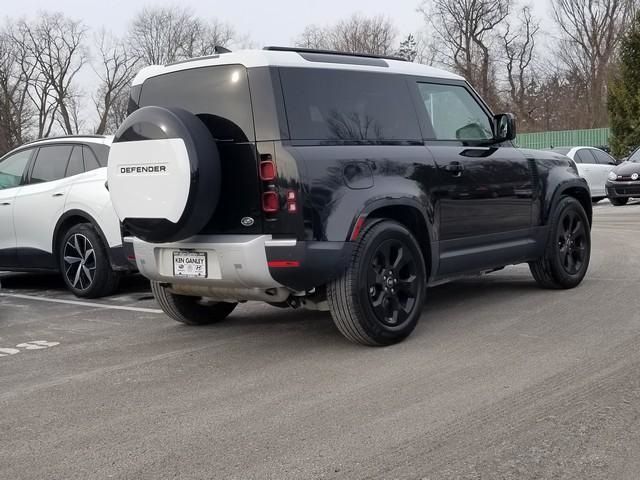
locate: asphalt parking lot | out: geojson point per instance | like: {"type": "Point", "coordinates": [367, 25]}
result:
{"type": "Point", "coordinates": [500, 380]}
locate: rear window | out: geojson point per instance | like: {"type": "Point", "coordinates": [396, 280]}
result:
{"type": "Point", "coordinates": [51, 163]}
{"type": "Point", "coordinates": [337, 105]}
{"type": "Point", "coordinates": [219, 95]}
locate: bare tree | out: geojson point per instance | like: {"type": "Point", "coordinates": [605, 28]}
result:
{"type": "Point", "coordinates": [16, 112]}
{"type": "Point", "coordinates": [54, 50]}
{"type": "Point", "coordinates": [160, 35]}
{"type": "Point", "coordinates": [521, 73]}
{"type": "Point", "coordinates": [116, 69]}
{"type": "Point", "coordinates": [467, 30]}
{"type": "Point", "coordinates": [591, 31]}
{"type": "Point", "coordinates": [358, 34]}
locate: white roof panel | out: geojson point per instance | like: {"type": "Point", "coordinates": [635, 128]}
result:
{"type": "Point", "coordinates": [263, 58]}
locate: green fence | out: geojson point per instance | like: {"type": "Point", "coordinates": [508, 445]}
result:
{"type": "Point", "coordinates": [568, 138]}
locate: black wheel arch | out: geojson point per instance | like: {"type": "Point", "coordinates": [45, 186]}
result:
{"type": "Point", "coordinates": [75, 217]}
{"type": "Point", "coordinates": [409, 212]}
{"type": "Point", "coordinates": [576, 188]}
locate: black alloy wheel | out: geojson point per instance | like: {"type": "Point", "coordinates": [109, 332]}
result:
{"type": "Point", "coordinates": [572, 242]}
{"type": "Point", "coordinates": [566, 256]}
{"type": "Point", "coordinates": [393, 283]}
{"type": "Point", "coordinates": [378, 299]}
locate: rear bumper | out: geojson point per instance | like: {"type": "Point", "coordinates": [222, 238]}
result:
{"type": "Point", "coordinates": [623, 189]}
{"type": "Point", "coordinates": [247, 262]}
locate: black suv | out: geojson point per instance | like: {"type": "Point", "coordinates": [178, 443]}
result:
{"type": "Point", "coordinates": [335, 182]}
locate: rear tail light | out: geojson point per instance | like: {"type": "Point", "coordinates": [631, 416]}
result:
{"type": "Point", "coordinates": [268, 171]}
{"type": "Point", "coordinates": [270, 202]}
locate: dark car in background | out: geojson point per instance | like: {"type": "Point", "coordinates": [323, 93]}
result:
{"type": "Point", "coordinates": [624, 180]}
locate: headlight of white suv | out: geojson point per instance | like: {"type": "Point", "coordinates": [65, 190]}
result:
{"type": "Point", "coordinates": [613, 176]}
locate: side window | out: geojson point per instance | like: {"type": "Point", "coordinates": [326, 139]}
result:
{"type": "Point", "coordinates": [76, 165]}
{"type": "Point", "coordinates": [584, 156]}
{"type": "Point", "coordinates": [339, 105]}
{"type": "Point", "coordinates": [51, 163]}
{"type": "Point", "coordinates": [454, 113]}
{"type": "Point", "coordinates": [90, 160]}
{"type": "Point", "coordinates": [12, 168]}
{"type": "Point", "coordinates": [603, 158]}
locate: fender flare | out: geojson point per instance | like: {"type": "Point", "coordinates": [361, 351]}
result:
{"type": "Point", "coordinates": [552, 200]}
{"type": "Point", "coordinates": [401, 201]}
{"type": "Point", "coordinates": [78, 213]}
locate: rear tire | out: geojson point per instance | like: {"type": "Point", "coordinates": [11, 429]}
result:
{"type": "Point", "coordinates": [619, 202]}
{"type": "Point", "coordinates": [566, 258]}
{"type": "Point", "coordinates": [190, 310]}
{"type": "Point", "coordinates": [378, 299]}
{"type": "Point", "coordinates": [84, 263]}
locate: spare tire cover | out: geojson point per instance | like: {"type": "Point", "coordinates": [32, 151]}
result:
{"type": "Point", "coordinates": [164, 174]}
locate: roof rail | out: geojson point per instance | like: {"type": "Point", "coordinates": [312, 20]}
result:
{"type": "Point", "coordinates": [332, 52]}
{"type": "Point", "coordinates": [62, 137]}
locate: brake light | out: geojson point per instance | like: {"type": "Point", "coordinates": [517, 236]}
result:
{"type": "Point", "coordinates": [270, 202]}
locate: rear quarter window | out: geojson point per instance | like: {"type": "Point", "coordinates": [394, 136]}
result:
{"type": "Point", "coordinates": [348, 106]}
{"type": "Point", "coordinates": [218, 95]}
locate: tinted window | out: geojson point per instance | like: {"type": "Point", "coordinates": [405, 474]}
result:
{"type": "Point", "coordinates": [603, 158]}
{"type": "Point", "coordinates": [76, 165]}
{"type": "Point", "coordinates": [12, 168]}
{"type": "Point", "coordinates": [90, 160]}
{"type": "Point", "coordinates": [218, 95]}
{"type": "Point", "coordinates": [51, 163]}
{"type": "Point", "coordinates": [454, 113]}
{"type": "Point", "coordinates": [335, 105]}
{"type": "Point", "coordinates": [584, 156]}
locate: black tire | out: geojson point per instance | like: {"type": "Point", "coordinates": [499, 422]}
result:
{"type": "Point", "coordinates": [84, 263]}
{"type": "Point", "coordinates": [190, 310]}
{"type": "Point", "coordinates": [619, 202]}
{"type": "Point", "coordinates": [387, 269]}
{"type": "Point", "coordinates": [566, 258]}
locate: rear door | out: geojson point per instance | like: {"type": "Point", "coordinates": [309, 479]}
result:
{"type": "Point", "coordinates": [40, 204]}
{"type": "Point", "coordinates": [605, 164]}
{"type": "Point", "coordinates": [589, 169]}
{"type": "Point", "coordinates": [220, 97]}
{"type": "Point", "coordinates": [485, 192]}
{"type": "Point", "coordinates": [12, 170]}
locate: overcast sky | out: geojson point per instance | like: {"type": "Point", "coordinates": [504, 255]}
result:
{"type": "Point", "coordinates": [263, 22]}
{"type": "Point", "coordinates": [273, 22]}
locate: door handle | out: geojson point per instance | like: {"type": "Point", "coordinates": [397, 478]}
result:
{"type": "Point", "coordinates": [5, 204]}
{"type": "Point", "coordinates": [57, 195]}
{"type": "Point", "coordinates": [455, 168]}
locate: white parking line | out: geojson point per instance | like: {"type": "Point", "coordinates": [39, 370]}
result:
{"type": "Point", "coordinates": [83, 304]}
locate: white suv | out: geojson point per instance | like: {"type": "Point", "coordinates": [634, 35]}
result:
{"type": "Point", "coordinates": [56, 214]}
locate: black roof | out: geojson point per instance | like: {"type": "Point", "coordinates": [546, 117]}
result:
{"type": "Point", "coordinates": [332, 52]}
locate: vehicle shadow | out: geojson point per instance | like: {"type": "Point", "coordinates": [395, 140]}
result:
{"type": "Point", "coordinates": [444, 304]}
{"type": "Point", "coordinates": [50, 282]}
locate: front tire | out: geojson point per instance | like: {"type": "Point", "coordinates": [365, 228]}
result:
{"type": "Point", "coordinates": [190, 310]}
{"type": "Point", "coordinates": [84, 263]}
{"type": "Point", "coordinates": [568, 251]}
{"type": "Point", "coordinates": [379, 297]}
{"type": "Point", "coordinates": [619, 202]}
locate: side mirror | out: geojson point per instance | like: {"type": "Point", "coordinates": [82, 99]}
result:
{"type": "Point", "coordinates": [505, 127]}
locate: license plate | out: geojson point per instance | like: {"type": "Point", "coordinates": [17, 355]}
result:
{"type": "Point", "coordinates": [190, 264]}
